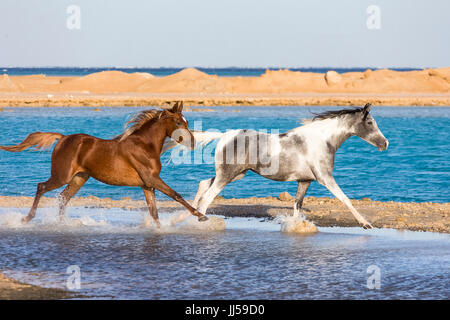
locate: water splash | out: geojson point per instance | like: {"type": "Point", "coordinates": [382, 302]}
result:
{"type": "Point", "coordinates": [299, 224]}
{"type": "Point", "coordinates": [184, 221]}
{"type": "Point", "coordinates": [48, 218]}
{"type": "Point", "coordinates": [86, 221]}
{"type": "Point", "coordinates": [12, 219]}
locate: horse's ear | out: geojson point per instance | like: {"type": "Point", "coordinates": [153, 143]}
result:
{"type": "Point", "coordinates": [367, 107]}
{"type": "Point", "coordinates": [366, 110]}
{"type": "Point", "coordinates": [175, 107]}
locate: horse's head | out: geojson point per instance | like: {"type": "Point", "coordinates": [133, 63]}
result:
{"type": "Point", "coordinates": [367, 129]}
{"type": "Point", "coordinates": [177, 126]}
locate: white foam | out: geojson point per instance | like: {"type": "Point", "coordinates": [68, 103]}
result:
{"type": "Point", "coordinates": [107, 220]}
{"type": "Point", "coordinates": [46, 218]}
{"type": "Point", "coordinates": [299, 224]}
{"type": "Point", "coordinates": [183, 220]}
{"type": "Point", "coordinates": [121, 220]}
{"type": "Point", "coordinates": [89, 221]}
{"type": "Point", "coordinates": [11, 219]}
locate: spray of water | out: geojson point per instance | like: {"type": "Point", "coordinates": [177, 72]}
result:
{"type": "Point", "coordinates": [299, 224]}
{"type": "Point", "coordinates": [123, 221]}
{"type": "Point", "coordinates": [11, 219]}
{"type": "Point", "coordinates": [86, 221]}
{"type": "Point", "coordinates": [48, 217]}
{"type": "Point", "coordinates": [183, 220]}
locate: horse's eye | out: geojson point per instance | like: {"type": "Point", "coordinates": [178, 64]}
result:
{"type": "Point", "coordinates": [369, 123]}
{"type": "Point", "coordinates": [178, 123]}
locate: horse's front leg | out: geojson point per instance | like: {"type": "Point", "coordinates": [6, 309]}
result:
{"type": "Point", "coordinates": [301, 191]}
{"type": "Point", "coordinates": [160, 185]}
{"type": "Point", "coordinates": [149, 173]}
{"type": "Point", "coordinates": [329, 182]}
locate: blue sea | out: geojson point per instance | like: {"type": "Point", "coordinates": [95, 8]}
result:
{"type": "Point", "coordinates": [414, 168]}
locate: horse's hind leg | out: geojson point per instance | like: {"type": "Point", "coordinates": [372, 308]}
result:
{"type": "Point", "coordinates": [43, 187]}
{"type": "Point", "coordinates": [301, 191]}
{"type": "Point", "coordinates": [217, 186]}
{"type": "Point", "coordinates": [72, 188]}
{"type": "Point", "coordinates": [151, 203]}
{"type": "Point", "coordinates": [211, 194]}
{"type": "Point", "coordinates": [202, 187]}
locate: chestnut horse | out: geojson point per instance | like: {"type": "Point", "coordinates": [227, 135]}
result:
{"type": "Point", "coordinates": [130, 159]}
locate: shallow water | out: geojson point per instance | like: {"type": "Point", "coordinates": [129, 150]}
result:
{"type": "Point", "coordinates": [250, 259]}
{"type": "Point", "coordinates": [414, 168]}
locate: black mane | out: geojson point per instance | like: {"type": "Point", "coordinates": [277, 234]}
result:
{"type": "Point", "coordinates": [335, 113]}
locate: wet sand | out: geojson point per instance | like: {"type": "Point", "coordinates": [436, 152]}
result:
{"type": "Point", "coordinates": [429, 87]}
{"type": "Point", "coordinates": [325, 212]}
{"type": "Point", "coordinates": [141, 100]}
{"type": "Point", "coordinates": [13, 290]}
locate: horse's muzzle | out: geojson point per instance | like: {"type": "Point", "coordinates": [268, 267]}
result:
{"type": "Point", "coordinates": [383, 146]}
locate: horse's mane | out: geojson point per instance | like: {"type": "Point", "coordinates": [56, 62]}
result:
{"type": "Point", "coordinates": [138, 120]}
{"type": "Point", "coordinates": [332, 114]}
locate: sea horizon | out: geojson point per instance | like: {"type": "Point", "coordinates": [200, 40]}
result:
{"type": "Point", "coordinates": [164, 71]}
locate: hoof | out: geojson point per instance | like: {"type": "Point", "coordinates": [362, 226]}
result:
{"type": "Point", "coordinates": [202, 218]}
{"type": "Point", "coordinates": [25, 220]}
{"type": "Point", "coordinates": [367, 226]}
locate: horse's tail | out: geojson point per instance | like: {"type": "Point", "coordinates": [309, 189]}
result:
{"type": "Point", "coordinates": [40, 140]}
{"type": "Point", "coordinates": [202, 138]}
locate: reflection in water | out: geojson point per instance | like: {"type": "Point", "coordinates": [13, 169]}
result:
{"type": "Point", "coordinates": [250, 259]}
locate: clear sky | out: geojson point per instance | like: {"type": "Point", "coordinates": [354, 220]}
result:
{"type": "Point", "coordinates": [211, 33]}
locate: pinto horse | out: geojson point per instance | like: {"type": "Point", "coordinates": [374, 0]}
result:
{"type": "Point", "coordinates": [303, 154]}
{"type": "Point", "coordinates": [130, 159]}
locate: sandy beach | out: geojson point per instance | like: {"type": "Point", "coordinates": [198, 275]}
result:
{"type": "Point", "coordinates": [429, 87]}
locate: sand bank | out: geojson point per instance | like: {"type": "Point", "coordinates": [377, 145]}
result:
{"type": "Point", "coordinates": [137, 99]}
{"type": "Point", "coordinates": [325, 212]}
{"type": "Point", "coordinates": [282, 87]}
{"type": "Point", "coordinates": [13, 290]}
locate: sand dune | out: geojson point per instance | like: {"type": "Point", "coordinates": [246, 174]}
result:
{"type": "Point", "coordinates": [276, 85]}
{"type": "Point", "coordinates": [7, 85]}
{"type": "Point", "coordinates": [105, 81]}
